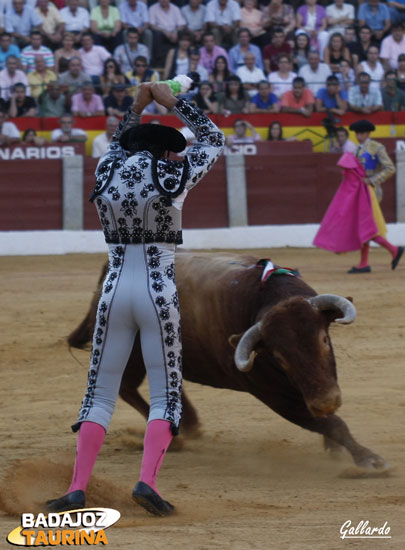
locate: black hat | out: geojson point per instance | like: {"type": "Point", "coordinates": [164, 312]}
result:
{"type": "Point", "coordinates": [169, 139]}
{"type": "Point", "coordinates": [361, 126]}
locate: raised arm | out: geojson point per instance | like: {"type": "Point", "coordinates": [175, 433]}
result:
{"type": "Point", "coordinates": [209, 142]}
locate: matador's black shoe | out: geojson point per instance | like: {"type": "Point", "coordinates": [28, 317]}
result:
{"type": "Point", "coordinates": [72, 501]}
{"type": "Point", "coordinates": [366, 269]}
{"type": "Point", "coordinates": [146, 497]}
{"type": "Point", "coordinates": [395, 261]}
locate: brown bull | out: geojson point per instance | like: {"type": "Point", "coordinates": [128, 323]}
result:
{"type": "Point", "coordinates": [283, 354]}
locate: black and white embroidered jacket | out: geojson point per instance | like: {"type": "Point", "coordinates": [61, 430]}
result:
{"type": "Point", "coordinates": [138, 198]}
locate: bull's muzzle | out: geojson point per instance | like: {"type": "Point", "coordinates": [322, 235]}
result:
{"type": "Point", "coordinates": [327, 404]}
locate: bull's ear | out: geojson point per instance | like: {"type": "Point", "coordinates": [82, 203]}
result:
{"type": "Point", "coordinates": [350, 299]}
{"type": "Point", "coordinates": [234, 340]}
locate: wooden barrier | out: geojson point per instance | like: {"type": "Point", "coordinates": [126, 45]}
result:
{"type": "Point", "coordinates": [206, 205]}
{"type": "Point", "coordinates": [283, 192]}
{"type": "Point", "coordinates": [31, 195]}
{"type": "Point", "coordinates": [90, 217]}
{"type": "Point", "coordinates": [280, 189]}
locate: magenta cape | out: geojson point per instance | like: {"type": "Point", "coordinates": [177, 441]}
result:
{"type": "Point", "coordinates": [348, 222]}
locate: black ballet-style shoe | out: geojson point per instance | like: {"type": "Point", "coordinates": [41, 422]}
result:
{"type": "Point", "coordinates": [146, 497]}
{"type": "Point", "coordinates": [366, 269]}
{"type": "Point", "coordinates": [72, 501]}
{"type": "Point", "coordinates": [395, 261]}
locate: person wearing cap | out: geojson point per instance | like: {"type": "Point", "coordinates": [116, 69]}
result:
{"type": "Point", "coordinates": [354, 216]}
{"type": "Point", "coordinates": [139, 194]}
{"type": "Point", "coordinates": [117, 102]}
{"type": "Point", "coordinates": [378, 168]}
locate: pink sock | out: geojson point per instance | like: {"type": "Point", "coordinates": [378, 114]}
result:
{"type": "Point", "coordinates": [384, 243]}
{"type": "Point", "coordinates": [364, 255]}
{"type": "Point", "coordinates": [157, 440]}
{"type": "Point", "coordinates": [91, 437]}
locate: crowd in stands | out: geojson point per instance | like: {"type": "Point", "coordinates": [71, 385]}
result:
{"type": "Point", "coordinates": [86, 57]}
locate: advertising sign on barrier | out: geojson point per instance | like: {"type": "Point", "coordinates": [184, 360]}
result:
{"type": "Point", "coordinates": [269, 148]}
{"type": "Point", "coordinates": [48, 151]}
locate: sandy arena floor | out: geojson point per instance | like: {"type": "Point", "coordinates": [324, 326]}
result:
{"type": "Point", "coordinates": [252, 481]}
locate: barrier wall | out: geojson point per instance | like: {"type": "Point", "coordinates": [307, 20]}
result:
{"type": "Point", "coordinates": [31, 195]}
{"type": "Point", "coordinates": [262, 189]}
{"type": "Point", "coordinates": [282, 192]}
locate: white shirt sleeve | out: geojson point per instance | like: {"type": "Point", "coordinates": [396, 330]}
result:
{"type": "Point", "coordinates": [99, 147]}
{"type": "Point", "coordinates": [210, 12]}
{"type": "Point", "coordinates": [55, 135]}
{"type": "Point", "coordinates": [10, 129]}
{"type": "Point", "coordinates": [235, 11]}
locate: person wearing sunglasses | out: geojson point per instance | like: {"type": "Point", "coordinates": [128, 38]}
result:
{"type": "Point", "coordinates": [141, 72]}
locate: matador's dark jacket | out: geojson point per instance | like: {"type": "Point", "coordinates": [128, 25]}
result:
{"type": "Point", "coordinates": [138, 198]}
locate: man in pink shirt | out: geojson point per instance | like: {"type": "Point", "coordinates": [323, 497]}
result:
{"type": "Point", "coordinates": [299, 100]}
{"type": "Point", "coordinates": [10, 76]}
{"type": "Point", "coordinates": [87, 103]}
{"type": "Point", "coordinates": [165, 21]}
{"type": "Point", "coordinates": [93, 57]}
{"type": "Point", "coordinates": [392, 46]}
{"type": "Point", "coordinates": [210, 51]}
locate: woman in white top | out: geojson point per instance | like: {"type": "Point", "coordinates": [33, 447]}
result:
{"type": "Point", "coordinates": [177, 59]}
{"type": "Point", "coordinates": [372, 67]}
{"type": "Point", "coordinates": [281, 80]}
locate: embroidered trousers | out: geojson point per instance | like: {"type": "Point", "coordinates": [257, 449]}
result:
{"type": "Point", "coordinates": [139, 293]}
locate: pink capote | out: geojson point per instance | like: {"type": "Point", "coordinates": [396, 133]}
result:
{"type": "Point", "coordinates": [348, 222]}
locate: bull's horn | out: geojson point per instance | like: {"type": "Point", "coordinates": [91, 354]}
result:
{"type": "Point", "coordinates": [245, 353]}
{"type": "Point", "coordinates": [331, 301]}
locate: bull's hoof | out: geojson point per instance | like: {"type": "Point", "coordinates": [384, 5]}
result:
{"type": "Point", "coordinates": [370, 465]}
{"type": "Point", "coordinates": [372, 462]}
{"type": "Point", "coordinates": [146, 497]}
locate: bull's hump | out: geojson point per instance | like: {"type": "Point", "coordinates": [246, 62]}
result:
{"type": "Point", "coordinates": [207, 266]}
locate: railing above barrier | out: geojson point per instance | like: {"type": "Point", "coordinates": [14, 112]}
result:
{"type": "Point", "coordinates": [300, 128]}
{"type": "Point", "coordinates": [259, 119]}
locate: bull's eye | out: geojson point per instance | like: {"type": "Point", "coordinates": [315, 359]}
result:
{"type": "Point", "coordinates": [281, 360]}
{"type": "Point", "coordinates": [324, 342]}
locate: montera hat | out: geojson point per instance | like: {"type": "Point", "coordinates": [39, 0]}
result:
{"type": "Point", "coordinates": [361, 126]}
{"type": "Point", "coordinates": [165, 137]}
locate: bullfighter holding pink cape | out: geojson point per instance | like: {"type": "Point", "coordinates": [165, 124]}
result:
{"type": "Point", "coordinates": [349, 221]}
{"type": "Point", "coordinates": [354, 216]}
